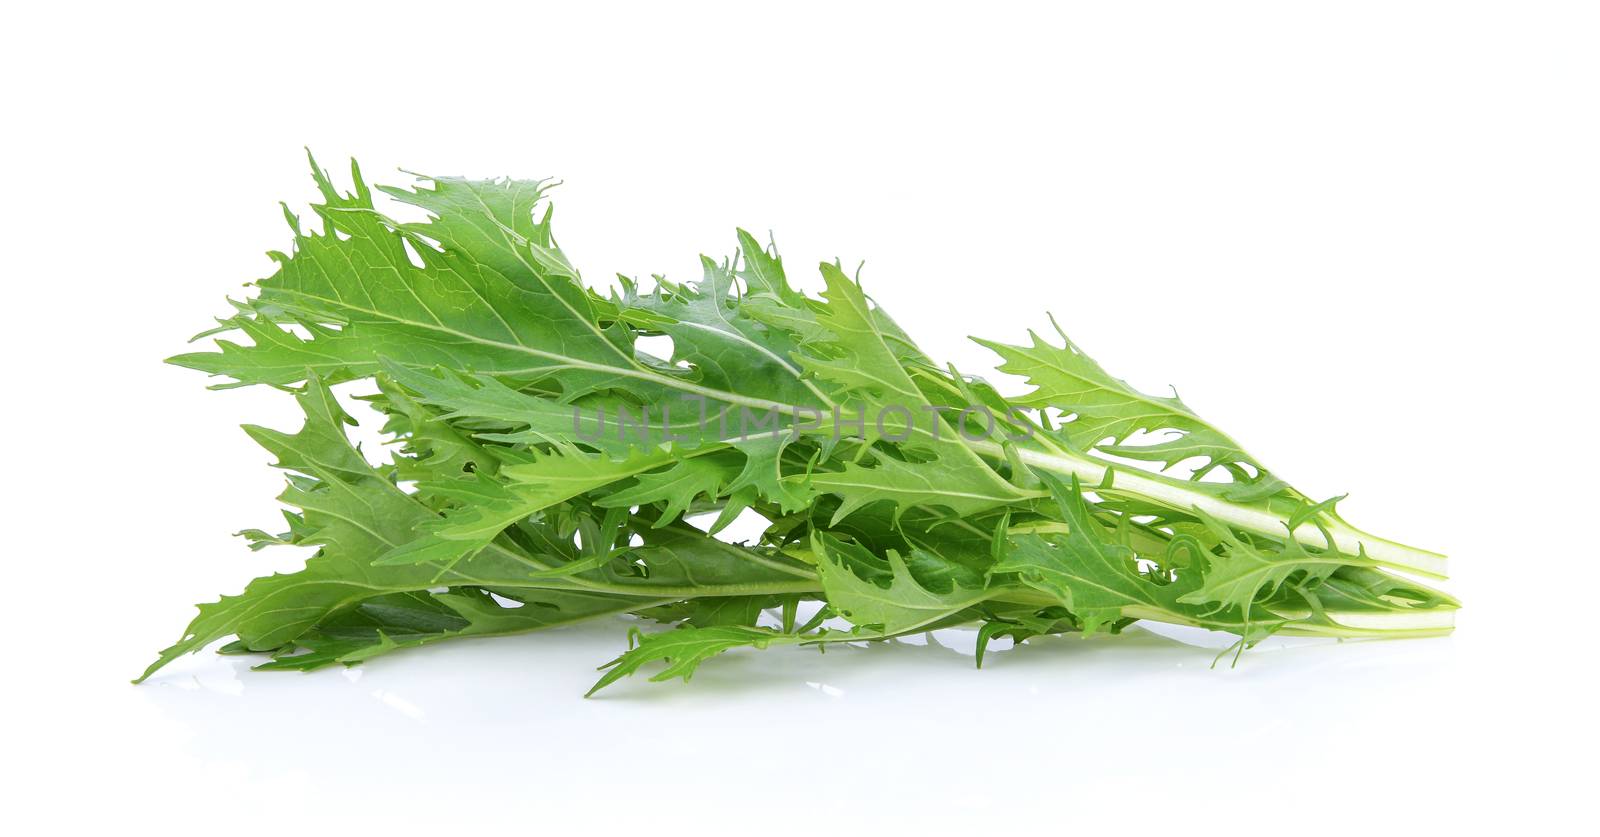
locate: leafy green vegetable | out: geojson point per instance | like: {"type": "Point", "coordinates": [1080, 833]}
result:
{"type": "Point", "coordinates": [548, 468]}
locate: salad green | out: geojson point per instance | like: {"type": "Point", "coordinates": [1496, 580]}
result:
{"type": "Point", "coordinates": [547, 467]}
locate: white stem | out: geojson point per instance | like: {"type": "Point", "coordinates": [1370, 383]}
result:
{"type": "Point", "coordinates": [1346, 538]}
{"type": "Point", "coordinates": [1346, 624]}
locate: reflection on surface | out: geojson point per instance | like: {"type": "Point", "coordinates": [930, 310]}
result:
{"type": "Point", "coordinates": [504, 718]}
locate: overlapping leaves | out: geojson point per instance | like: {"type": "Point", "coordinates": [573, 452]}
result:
{"type": "Point", "coordinates": [549, 468]}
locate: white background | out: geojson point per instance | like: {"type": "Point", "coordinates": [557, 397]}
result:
{"type": "Point", "coordinates": [1360, 236]}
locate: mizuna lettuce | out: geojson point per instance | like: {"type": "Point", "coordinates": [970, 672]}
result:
{"type": "Point", "coordinates": [545, 463]}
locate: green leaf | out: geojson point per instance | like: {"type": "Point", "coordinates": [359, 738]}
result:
{"type": "Point", "coordinates": [1099, 582]}
{"type": "Point", "coordinates": [676, 486]}
{"type": "Point", "coordinates": [859, 363]}
{"type": "Point", "coordinates": [353, 514]}
{"type": "Point", "coordinates": [1065, 378]}
{"type": "Point", "coordinates": [487, 506]}
{"type": "Point", "coordinates": [409, 620]}
{"type": "Point", "coordinates": [728, 349]}
{"type": "Point", "coordinates": [1242, 571]}
{"type": "Point", "coordinates": [1105, 407]}
{"type": "Point", "coordinates": [901, 605]}
{"type": "Point", "coordinates": [1092, 577]}
{"type": "Point", "coordinates": [683, 650]}
{"type": "Point", "coordinates": [542, 458]}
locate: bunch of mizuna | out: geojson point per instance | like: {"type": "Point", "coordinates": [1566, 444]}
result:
{"type": "Point", "coordinates": [546, 469]}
